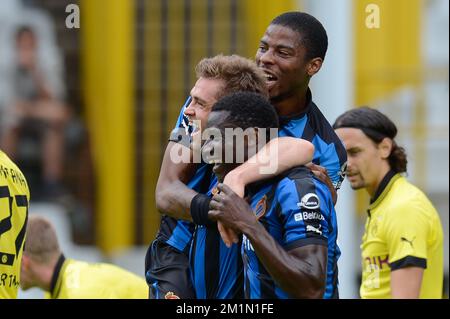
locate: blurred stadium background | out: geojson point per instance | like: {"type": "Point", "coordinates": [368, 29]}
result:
{"type": "Point", "coordinates": [129, 67]}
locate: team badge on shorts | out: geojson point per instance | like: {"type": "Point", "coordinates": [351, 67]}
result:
{"type": "Point", "coordinates": [171, 295]}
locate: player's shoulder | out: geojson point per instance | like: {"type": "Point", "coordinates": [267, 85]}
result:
{"type": "Point", "coordinates": [298, 180]}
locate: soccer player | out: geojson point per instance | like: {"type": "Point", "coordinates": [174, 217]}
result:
{"type": "Point", "coordinates": [402, 247]}
{"type": "Point", "coordinates": [167, 260]}
{"type": "Point", "coordinates": [45, 266]}
{"type": "Point", "coordinates": [290, 227]}
{"type": "Point", "coordinates": [14, 204]}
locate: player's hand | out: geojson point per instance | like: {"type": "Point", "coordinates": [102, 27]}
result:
{"type": "Point", "coordinates": [229, 236]}
{"type": "Point", "coordinates": [322, 174]}
{"type": "Point", "coordinates": [231, 210]}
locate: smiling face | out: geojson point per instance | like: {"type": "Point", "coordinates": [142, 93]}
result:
{"type": "Point", "coordinates": [282, 57]}
{"type": "Point", "coordinates": [204, 95]}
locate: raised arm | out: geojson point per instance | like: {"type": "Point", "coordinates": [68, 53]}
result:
{"type": "Point", "coordinates": [274, 158]}
{"type": "Point", "coordinates": [173, 197]}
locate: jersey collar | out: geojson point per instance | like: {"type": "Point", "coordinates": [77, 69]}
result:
{"type": "Point", "coordinates": [54, 288]}
{"type": "Point", "coordinates": [383, 189]}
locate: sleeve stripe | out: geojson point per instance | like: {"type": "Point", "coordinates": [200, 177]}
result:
{"type": "Point", "coordinates": [409, 261]}
{"type": "Point", "coordinates": [305, 242]}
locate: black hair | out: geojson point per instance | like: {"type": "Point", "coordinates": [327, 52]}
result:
{"type": "Point", "coordinates": [24, 29]}
{"type": "Point", "coordinates": [312, 33]}
{"type": "Point", "coordinates": [376, 126]}
{"type": "Point", "coordinates": [247, 110]}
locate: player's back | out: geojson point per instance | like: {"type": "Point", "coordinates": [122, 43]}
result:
{"type": "Point", "coordinates": [82, 280]}
{"type": "Point", "coordinates": [14, 203]}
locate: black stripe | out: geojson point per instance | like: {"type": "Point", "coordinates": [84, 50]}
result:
{"type": "Point", "coordinates": [212, 262]}
{"type": "Point", "coordinates": [409, 261]}
{"type": "Point", "coordinates": [21, 201]}
{"type": "Point", "coordinates": [306, 241]}
{"type": "Point", "coordinates": [210, 29]}
{"type": "Point", "coordinates": [238, 287]}
{"type": "Point", "coordinates": [335, 283]}
{"type": "Point", "coordinates": [233, 28]}
{"type": "Point", "coordinates": [163, 76]}
{"type": "Point", "coordinates": [139, 68]}
{"type": "Point", "coordinates": [266, 283]}
{"type": "Point", "coordinates": [192, 252]}
{"type": "Point", "coordinates": [187, 47]}
{"type": "Point", "coordinates": [56, 273]}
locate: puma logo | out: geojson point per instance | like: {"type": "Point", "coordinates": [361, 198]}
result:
{"type": "Point", "coordinates": [408, 241]}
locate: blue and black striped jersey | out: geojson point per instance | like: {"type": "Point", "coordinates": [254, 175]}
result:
{"type": "Point", "coordinates": [329, 152]}
{"type": "Point", "coordinates": [312, 126]}
{"type": "Point", "coordinates": [217, 271]}
{"type": "Point", "coordinates": [297, 211]}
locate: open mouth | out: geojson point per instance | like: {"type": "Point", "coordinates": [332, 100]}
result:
{"type": "Point", "coordinates": [195, 127]}
{"type": "Point", "coordinates": [270, 77]}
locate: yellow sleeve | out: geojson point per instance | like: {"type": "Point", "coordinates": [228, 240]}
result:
{"type": "Point", "coordinates": [406, 232]}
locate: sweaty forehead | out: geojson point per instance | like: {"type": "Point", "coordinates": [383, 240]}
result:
{"type": "Point", "coordinates": [281, 35]}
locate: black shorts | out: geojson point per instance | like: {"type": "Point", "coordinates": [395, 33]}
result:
{"type": "Point", "coordinates": [167, 271]}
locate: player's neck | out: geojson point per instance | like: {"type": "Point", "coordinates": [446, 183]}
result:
{"type": "Point", "coordinates": [373, 188]}
{"type": "Point", "coordinates": [292, 104]}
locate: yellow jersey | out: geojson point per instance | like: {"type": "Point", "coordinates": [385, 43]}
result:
{"type": "Point", "coordinates": [73, 279]}
{"type": "Point", "coordinates": [14, 204]}
{"type": "Point", "coordinates": [403, 229]}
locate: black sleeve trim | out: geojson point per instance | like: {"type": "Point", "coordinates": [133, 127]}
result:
{"type": "Point", "coordinates": [305, 242]}
{"type": "Point", "coordinates": [409, 261]}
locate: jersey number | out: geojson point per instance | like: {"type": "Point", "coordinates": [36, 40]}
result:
{"type": "Point", "coordinates": [6, 225]}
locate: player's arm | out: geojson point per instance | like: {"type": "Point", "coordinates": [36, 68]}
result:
{"type": "Point", "coordinates": [277, 156]}
{"type": "Point", "coordinates": [173, 197]}
{"type": "Point", "coordinates": [300, 271]}
{"type": "Point", "coordinates": [405, 232]}
{"type": "Point", "coordinates": [406, 283]}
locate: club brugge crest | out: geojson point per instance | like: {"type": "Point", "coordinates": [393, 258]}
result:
{"type": "Point", "coordinates": [261, 207]}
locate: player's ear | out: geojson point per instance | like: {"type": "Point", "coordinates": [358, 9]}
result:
{"type": "Point", "coordinates": [314, 66]}
{"type": "Point", "coordinates": [385, 147]}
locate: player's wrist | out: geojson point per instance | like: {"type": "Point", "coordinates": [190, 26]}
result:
{"type": "Point", "coordinates": [199, 209]}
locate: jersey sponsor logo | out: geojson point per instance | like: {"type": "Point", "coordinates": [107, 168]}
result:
{"type": "Point", "coordinates": [261, 207]}
{"type": "Point", "coordinates": [247, 244]}
{"type": "Point", "coordinates": [171, 295]}
{"type": "Point", "coordinates": [309, 201]}
{"type": "Point", "coordinates": [308, 216]}
{"type": "Point", "coordinates": [378, 261]}
{"type": "Point", "coordinates": [406, 240]}
{"type": "Point", "coordinates": [311, 228]}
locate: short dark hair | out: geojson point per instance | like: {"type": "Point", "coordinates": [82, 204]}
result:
{"type": "Point", "coordinates": [376, 126]}
{"type": "Point", "coordinates": [247, 110]}
{"type": "Point", "coordinates": [313, 35]}
{"type": "Point", "coordinates": [24, 29]}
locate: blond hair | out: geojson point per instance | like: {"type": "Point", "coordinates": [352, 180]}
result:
{"type": "Point", "coordinates": [41, 241]}
{"type": "Point", "coordinates": [237, 73]}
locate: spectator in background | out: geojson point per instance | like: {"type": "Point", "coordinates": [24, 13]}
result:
{"type": "Point", "coordinates": [402, 248]}
{"type": "Point", "coordinates": [44, 266]}
{"type": "Point", "coordinates": [36, 105]}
